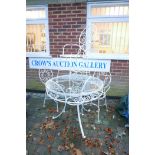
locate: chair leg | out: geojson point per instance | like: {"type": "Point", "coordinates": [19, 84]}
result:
{"type": "Point", "coordinates": [57, 106]}
{"type": "Point", "coordinates": [79, 118]}
{"type": "Point", "coordinates": [44, 100]}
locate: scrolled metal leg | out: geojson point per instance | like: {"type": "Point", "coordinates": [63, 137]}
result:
{"type": "Point", "coordinates": [63, 110]}
{"type": "Point", "coordinates": [79, 118]}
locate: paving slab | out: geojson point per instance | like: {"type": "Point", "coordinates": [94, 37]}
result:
{"type": "Point", "coordinates": [62, 136]}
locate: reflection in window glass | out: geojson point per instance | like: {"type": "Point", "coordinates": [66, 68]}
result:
{"type": "Point", "coordinates": [35, 38]}
{"type": "Point", "coordinates": [110, 11]}
{"type": "Point", "coordinates": [109, 37]}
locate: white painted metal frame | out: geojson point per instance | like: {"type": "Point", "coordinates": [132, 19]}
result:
{"type": "Point", "coordinates": [77, 88]}
{"type": "Point", "coordinates": [91, 19]}
{"type": "Point", "coordinates": [40, 21]}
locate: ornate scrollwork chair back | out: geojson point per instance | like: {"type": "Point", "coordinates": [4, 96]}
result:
{"type": "Point", "coordinates": [44, 76]}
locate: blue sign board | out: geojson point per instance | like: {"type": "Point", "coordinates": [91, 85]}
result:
{"type": "Point", "coordinates": [70, 64]}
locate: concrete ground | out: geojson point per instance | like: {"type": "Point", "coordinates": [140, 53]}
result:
{"type": "Point", "coordinates": [62, 136]}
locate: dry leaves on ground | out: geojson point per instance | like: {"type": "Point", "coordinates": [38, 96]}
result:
{"type": "Point", "coordinates": [108, 130]}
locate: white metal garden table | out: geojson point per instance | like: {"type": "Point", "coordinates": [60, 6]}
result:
{"type": "Point", "coordinates": [74, 89]}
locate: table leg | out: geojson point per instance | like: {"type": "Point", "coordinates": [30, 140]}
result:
{"type": "Point", "coordinates": [98, 111]}
{"type": "Point", "coordinates": [79, 118]}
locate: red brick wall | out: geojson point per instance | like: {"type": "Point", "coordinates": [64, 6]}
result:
{"type": "Point", "coordinates": [66, 21]}
{"type": "Point", "coordinates": [120, 77]}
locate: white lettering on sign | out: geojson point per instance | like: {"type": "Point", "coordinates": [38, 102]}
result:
{"type": "Point", "coordinates": [70, 64]}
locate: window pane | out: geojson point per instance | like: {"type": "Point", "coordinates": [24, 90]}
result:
{"type": "Point", "coordinates": [35, 38]}
{"type": "Point", "coordinates": [109, 38]}
{"type": "Point", "coordinates": [110, 11]}
{"type": "Point", "coordinates": [35, 13]}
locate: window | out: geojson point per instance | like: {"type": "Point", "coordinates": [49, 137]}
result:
{"type": "Point", "coordinates": [37, 38]}
{"type": "Point", "coordinates": [107, 30]}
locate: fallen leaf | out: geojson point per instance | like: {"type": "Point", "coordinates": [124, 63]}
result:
{"type": "Point", "coordinates": [50, 110]}
{"type": "Point", "coordinates": [60, 148]}
{"type": "Point", "coordinates": [41, 141]}
{"type": "Point", "coordinates": [49, 148]}
{"type": "Point", "coordinates": [102, 153]}
{"type": "Point", "coordinates": [108, 130]}
{"type": "Point", "coordinates": [50, 138]}
{"type": "Point", "coordinates": [76, 151]}
{"type": "Point", "coordinates": [112, 151]}
{"type": "Point", "coordinates": [71, 145]}
{"type": "Point", "coordinates": [49, 125]}
{"type": "Point", "coordinates": [66, 147]}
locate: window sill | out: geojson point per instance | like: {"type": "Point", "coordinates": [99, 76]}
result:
{"type": "Point", "coordinates": [39, 54]}
{"type": "Point", "coordinates": [108, 56]}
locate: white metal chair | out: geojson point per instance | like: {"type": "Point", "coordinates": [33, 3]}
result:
{"type": "Point", "coordinates": [58, 95]}
{"type": "Point", "coordinates": [44, 76]}
{"type": "Point", "coordinates": [105, 76]}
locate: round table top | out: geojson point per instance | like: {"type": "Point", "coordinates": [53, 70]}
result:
{"type": "Point", "coordinates": [74, 88]}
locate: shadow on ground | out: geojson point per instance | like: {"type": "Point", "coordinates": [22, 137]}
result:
{"type": "Point", "coordinates": [62, 136]}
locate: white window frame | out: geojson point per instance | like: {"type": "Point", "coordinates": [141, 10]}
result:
{"type": "Point", "coordinates": [91, 19]}
{"type": "Point", "coordinates": [40, 21]}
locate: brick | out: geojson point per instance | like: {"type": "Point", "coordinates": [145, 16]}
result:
{"type": "Point", "coordinates": [71, 8]}
{"type": "Point", "coordinates": [67, 12]}
{"type": "Point", "coordinates": [81, 23]}
{"type": "Point", "coordinates": [61, 8]}
{"type": "Point", "coordinates": [70, 23]}
{"type": "Point", "coordinates": [67, 19]}
{"type": "Point", "coordinates": [57, 12]}
{"type": "Point", "coordinates": [57, 26]}
{"type": "Point", "coordinates": [57, 19]}
{"type": "Point", "coordinates": [76, 19]}
{"type": "Point", "coordinates": [81, 7]}
{"type": "Point", "coordinates": [81, 15]}
{"type": "Point", "coordinates": [61, 30]}
{"type": "Point", "coordinates": [76, 4]}
{"type": "Point", "coordinates": [62, 36]}
{"type": "Point", "coordinates": [76, 26]}
{"type": "Point", "coordinates": [66, 26]}
{"type": "Point", "coordinates": [76, 33]}
{"type": "Point", "coordinates": [61, 16]}
{"type": "Point", "coordinates": [77, 11]}
{"type": "Point", "coordinates": [67, 40]}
